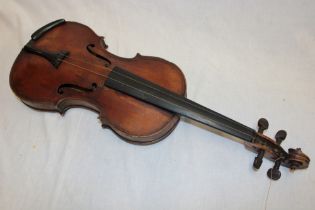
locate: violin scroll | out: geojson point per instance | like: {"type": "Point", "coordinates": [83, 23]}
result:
{"type": "Point", "coordinates": [297, 159]}
{"type": "Point", "coordinates": [271, 149]}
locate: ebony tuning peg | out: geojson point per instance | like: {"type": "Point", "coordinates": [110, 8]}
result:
{"type": "Point", "coordinates": [280, 136]}
{"type": "Point", "coordinates": [258, 159]}
{"type": "Point", "coordinates": [274, 173]}
{"type": "Point", "coordinates": [262, 126]}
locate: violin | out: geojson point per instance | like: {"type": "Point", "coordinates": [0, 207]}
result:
{"type": "Point", "coordinates": [65, 64]}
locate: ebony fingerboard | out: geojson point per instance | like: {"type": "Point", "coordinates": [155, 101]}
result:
{"type": "Point", "coordinates": [128, 83]}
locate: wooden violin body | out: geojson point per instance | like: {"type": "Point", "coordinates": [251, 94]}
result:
{"type": "Point", "coordinates": [41, 85]}
{"type": "Point", "coordinates": [66, 64]}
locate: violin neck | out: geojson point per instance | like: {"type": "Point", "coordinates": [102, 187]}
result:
{"type": "Point", "coordinates": [128, 83]}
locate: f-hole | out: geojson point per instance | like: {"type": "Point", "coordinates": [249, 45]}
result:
{"type": "Point", "coordinates": [90, 49]}
{"type": "Point", "coordinates": [63, 87]}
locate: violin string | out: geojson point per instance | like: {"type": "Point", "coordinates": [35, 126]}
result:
{"type": "Point", "coordinates": [86, 69]}
{"type": "Point", "coordinates": [83, 68]}
{"type": "Point", "coordinates": [126, 76]}
{"type": "Point", "coordinates": [80, 67]}
{"type": "Point", "coordinates": [268, 192]}
{"type": "Point", "coordinates": [267, 197]}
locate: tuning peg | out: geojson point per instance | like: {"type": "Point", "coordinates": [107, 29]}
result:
{"type": "Point", "coordinates": [258, 160]}
{"type": "Point", "coordinates": [280, 136]}
{"type": "Point", "coordinates": [262, 126]}
{"type": "Point", "coordinates": [274, 173]}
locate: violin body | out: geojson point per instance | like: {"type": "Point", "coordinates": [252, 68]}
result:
{"type": "Point", "coordinates": [38, 83]}
{"type": "Point", "coordinates": [65, 64]}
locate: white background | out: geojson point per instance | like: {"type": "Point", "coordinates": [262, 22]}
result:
{"type": "Point", "coordinates": [245, 59]}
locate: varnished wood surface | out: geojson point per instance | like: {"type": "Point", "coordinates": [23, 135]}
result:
{"type": "Point", "coordinates": [36, 82]}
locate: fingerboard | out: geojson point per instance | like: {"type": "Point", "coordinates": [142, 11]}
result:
{"type": "Point", "coordinates": [130, 84]}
